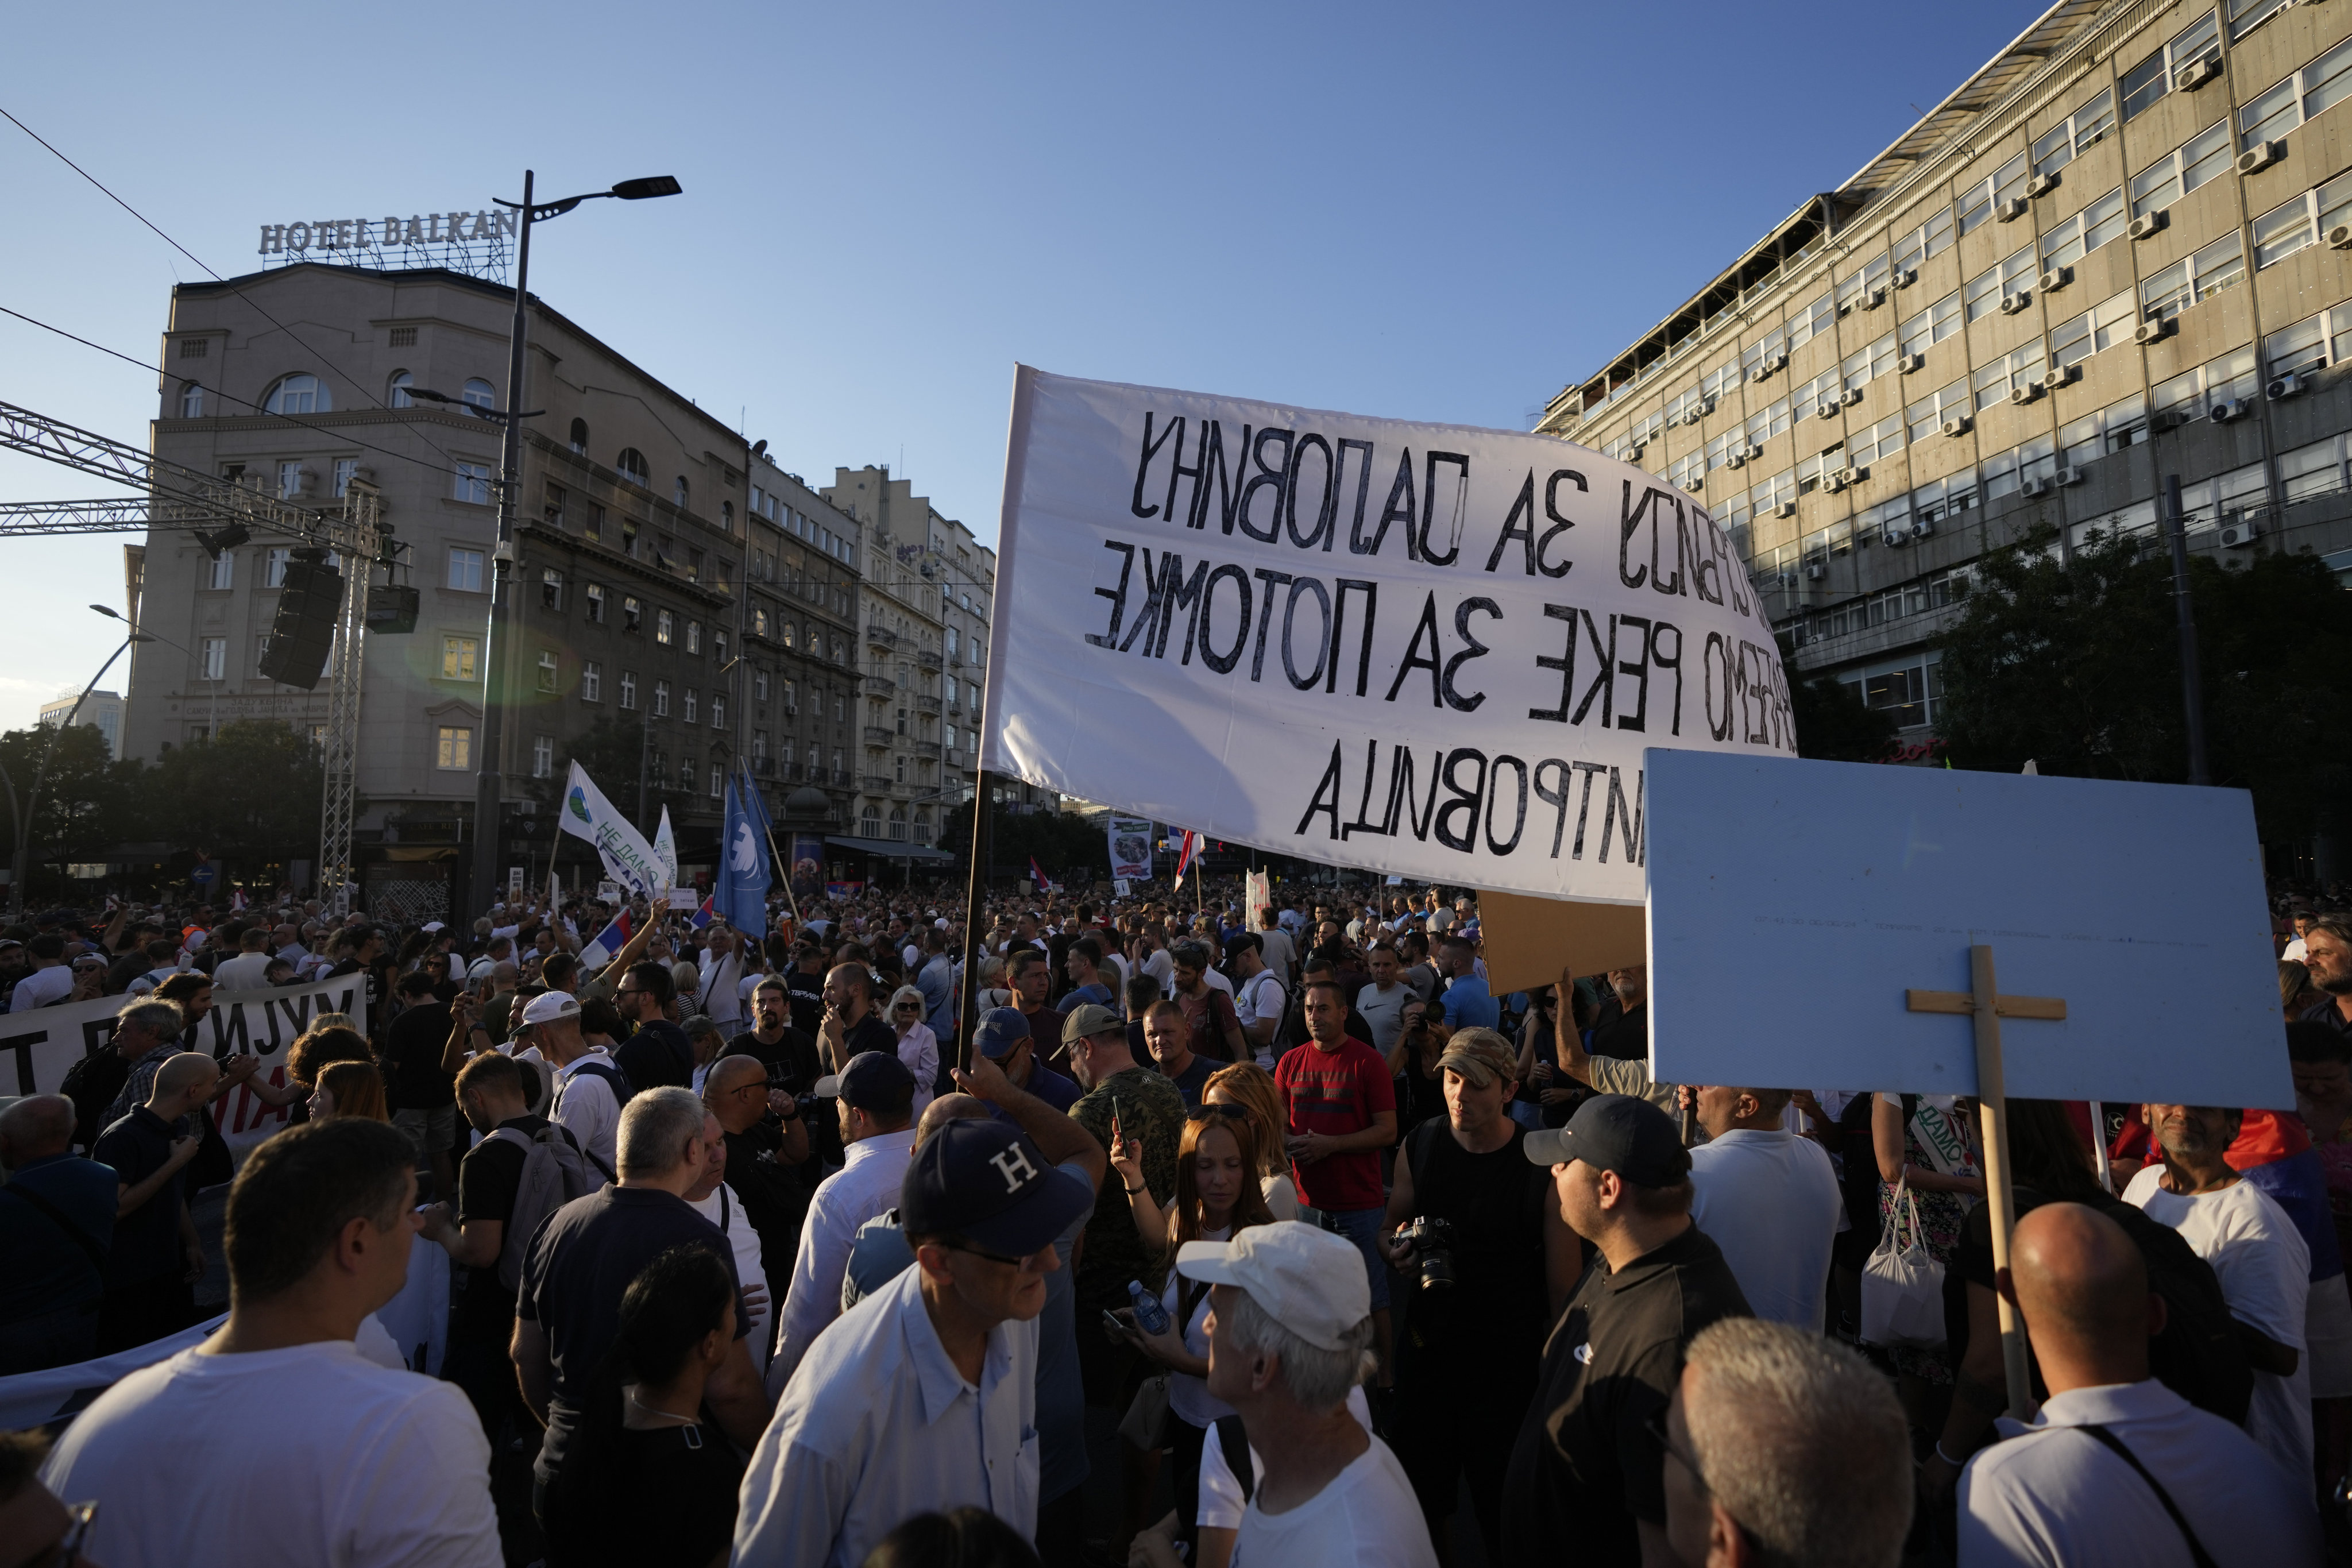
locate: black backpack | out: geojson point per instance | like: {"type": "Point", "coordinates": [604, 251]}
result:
{"type": "Point", "coordinates": [2199, 1355]}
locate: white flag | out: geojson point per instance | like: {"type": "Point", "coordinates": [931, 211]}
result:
{"type": "Point", "coordinates": [627, 856]}
{"type": "Point", "coordinates": [666, 851]}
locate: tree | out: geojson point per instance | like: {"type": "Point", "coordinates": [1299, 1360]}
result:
{"type": "Point", "coordinates": [1834, 723]}
{"type": "Point", "coordinates": [86, 798]}
{"type": "Point", "coordinates": [251, 795]}
{"type": "Point", "coordinates": [1058, 841]}
{"type": "Point", "coordinates": [2076, 666]}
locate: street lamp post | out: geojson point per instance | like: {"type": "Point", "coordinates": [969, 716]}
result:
{"type": "Point", "coordinates": [21, 862]}
{"type": "Point", "coordinates": [212, 723]}
{"type": "Point", "coordinates": [490, 775]}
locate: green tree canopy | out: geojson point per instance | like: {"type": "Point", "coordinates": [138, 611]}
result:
{"type": "Point", "coordinates": [88, 801]}
{"type": "Point", "coordinates": [252, 794]}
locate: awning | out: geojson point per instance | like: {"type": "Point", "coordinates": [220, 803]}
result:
{"type": "Point", "coordinates": [889, 848]}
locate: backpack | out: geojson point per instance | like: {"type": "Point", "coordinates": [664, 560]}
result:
{"type": "Point", "coordinates": [92, 1083]}
{"type": "Point", "coordinates": [554, 1171]}
{"type": "Point", "coordinates": [2199, 1355]}
{"type": "Point", "coordinates": [614, 1079]}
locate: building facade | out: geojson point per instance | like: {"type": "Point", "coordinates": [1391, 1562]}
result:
{"type": "Point", "coordinates": [2120, 250]}
{"type": "Point", "coordinates": [101, 711]}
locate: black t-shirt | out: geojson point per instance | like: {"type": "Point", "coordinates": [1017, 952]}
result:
{"type": "Point", "coordinates": [412, 1060]}
{"type": "Point", "coordinates": [776, 1197]}
{"type": "Point", "coordinates": [1584, 1468]}
{"type": "Point", "coordinates": [791, 1052]}
{"type": "Point", "coordinates": [146, 1240]}
{"type": "Point", "coordinates": [1420, 1095]}
{"type": "Point", "coordinates": [573, 1281]}
{"type": "Point", "coordinates": [1491, 1323]}
{"type": "Point", "coordinates": [872, 1032]}
{"type": "Point", "coordinates": [1193, 1082]}
{"type": "Point", "coordinates": [487, 1179]}
{"type": "Point", "coordinates": [657, 1056]}
{"type": "Point", "coordinates": [647, 1499]}
{"type": "Point", "coordinates": [805, 993]}
{"type": "Point", "coordinates": [1625, 1036]}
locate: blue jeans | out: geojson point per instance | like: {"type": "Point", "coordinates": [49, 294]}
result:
{"type": "Point", "coordinates": [1362, 1226]}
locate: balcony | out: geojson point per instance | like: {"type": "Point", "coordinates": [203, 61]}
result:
{"type": "Point", "coordinates": [876, 783]}
{"type": "Point", "coordinates": [926, 702]}
{"type": "Point", "coordinates": [878, 736]}
{"type": "Point", "coordinates": [879, 685]}
{"type": "Point", "coordinates": [929, 658]}
{"type": "Point", "coordinates": [878, 637]}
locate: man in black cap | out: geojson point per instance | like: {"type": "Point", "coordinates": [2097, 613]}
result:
{"type": "Point", "coordinates": [1003, 1038]}
{"type": "Point", "coordinates": [1587, 1474]}
{"type": "Point", "coordinates": [923, 1397]}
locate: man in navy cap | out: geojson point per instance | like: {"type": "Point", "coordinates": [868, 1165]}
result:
{"type": "Point", "coordinates": [876, 1097]}
{"type": "Point", "coordinates": [1587, 1466]}
{"type": "Point", "coordinates": [922, 1397]}
{"type": "Point", "coordinates": [1003, 1038]}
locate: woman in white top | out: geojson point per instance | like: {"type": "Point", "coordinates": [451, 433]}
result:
{"type": "Point", "coordinates": [917, 1046]}
{"type": "Point", "coordinates": [1216, 1194]}
{"type": "Point", "coordinates": [1250, 1088]}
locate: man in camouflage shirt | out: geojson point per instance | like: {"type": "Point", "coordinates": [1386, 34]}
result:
{"type": "Point", "coordinates": [1148, 1110]}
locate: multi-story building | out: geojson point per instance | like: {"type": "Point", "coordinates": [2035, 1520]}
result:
{"type": "Point", "coordinates": [634, 533]}
{"type": "Point", "coordinates": [2117, 252]}
{"type": "Point", "coordinates": [800, 631]}
{"type": "Point", "coordinates": [101, 711]}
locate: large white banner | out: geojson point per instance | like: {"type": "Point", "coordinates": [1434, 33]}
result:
{"type": "Point", "coordinates": [38, 1048]}
{"type": "Point", "coordinates": [1423, 649]}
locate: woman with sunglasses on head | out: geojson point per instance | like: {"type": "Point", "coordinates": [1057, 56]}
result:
{"type": "Point", "coordinates": [1217, 1195]}
{"type": "Point", "coordinates": [1250, 1088]}
{"type": "Point", "coordinates": [917, 1046]}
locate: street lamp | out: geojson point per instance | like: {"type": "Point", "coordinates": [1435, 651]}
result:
{"type": "Point", "coordinates": [489, 776]}
{"type": "Point", "coordinates": [20, 863]}
{"type": "Point", "coordinates": [212, 723]}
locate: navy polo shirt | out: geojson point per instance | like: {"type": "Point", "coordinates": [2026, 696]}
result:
{"type": "Point", "coordinates": [147, 1239]}
{"type": "Point", "coordinates": [47, 1268]}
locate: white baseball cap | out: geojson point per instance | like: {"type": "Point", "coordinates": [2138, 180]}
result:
{"type": "Point", "coordinates": [1309, 1280]}
{"type": "Point", "coordinates": [549, 1005]}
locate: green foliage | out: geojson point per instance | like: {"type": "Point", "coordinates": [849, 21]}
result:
{"type": "Point", "coordinates": [2076, 666]}
{"type": "Point", "coordinates": [1059, 841]}
{"type": "Point", "coordinates": [252, 794]}
{"type": "Point", "coordinates": [87, 804]}
{"type": "Point", "coordinates": [1834, 723]}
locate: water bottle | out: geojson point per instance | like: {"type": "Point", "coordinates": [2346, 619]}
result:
{"type": "Point", "coordinates": [1149, 1315]}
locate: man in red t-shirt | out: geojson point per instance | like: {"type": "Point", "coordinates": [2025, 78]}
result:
{"type": "Point", "coordinates": [1339, 1109]}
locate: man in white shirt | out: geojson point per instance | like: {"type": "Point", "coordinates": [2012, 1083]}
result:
{"type": "Point", "coordinates": [1769, 1200]}
{"type": "Point", "coordinates": [1281, 953]}
{"type": "Point", "coordinates": [50, 980]}
{"type": "Point", "coordinates": [2258, 1256]}
{"type": "Point", "coordinates": [1258, 999]}
{"type": "Point", "coordinates": [367, 1466]}
{"type": "Point", "coordinates": [1291, 1333]}
{"type": "Point", "coordinates": [722, 980]}
{"type": "Point", "coordinates": [2118, 1468]}
{"type": "Point", "coordinates": [923, 1396]}
{"type": "Point", "coordinates": [1382, 1003]}
{"type": "Point", "coordinates": [875, 1095]}
{"type": "Point", "coordinates": [589, 1088]}
{"type": "Point", "coordinates": [248, 970]}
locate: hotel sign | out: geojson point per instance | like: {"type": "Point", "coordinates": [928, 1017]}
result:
{"type": "Point", "coordinates": [473, 242]}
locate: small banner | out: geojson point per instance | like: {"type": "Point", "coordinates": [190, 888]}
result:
{"type": "Point", "coordinates": [1130, 847]}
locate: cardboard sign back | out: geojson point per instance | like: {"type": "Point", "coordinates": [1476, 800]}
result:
{"type": "Point", "coordinates": [1793, 903]}
{"type": "Point", "coordinates": [1526, 940]}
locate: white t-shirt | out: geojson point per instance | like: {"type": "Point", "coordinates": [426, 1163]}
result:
{"type": "Point", "coordinates": [365, 1466]}
{"type": "Point", "coordinates": [1221, 1504]}
{"type": "Point", "coordinates": [1188, 1396]}
{"type": "Point", "coordinates": [1260, 997]}
{"type": "Point", "coordinates": [2265, 1271]}
{"type": "Point", "coordinates": [1772, 1202]}
{"type": "Point", "coordinates": [1385, 1011]}
{"type": "Point", "coordinates": [1162, 968]}
{"type": "Point", "coordinates": [585, 1107]}
{"type": "Point", "coordinates": [246, 972]}
{"type": "Point", "coordinates": [725, 1210]}
{"type": "Point", "coordinates": [1365, 1517]}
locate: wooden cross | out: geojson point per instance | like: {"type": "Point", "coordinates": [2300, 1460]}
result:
{"type": "Point", "coordinates": [1983, 1002]}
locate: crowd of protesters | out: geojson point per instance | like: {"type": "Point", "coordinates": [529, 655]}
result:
{"type": "Point", "coordinates": [1262, 1235]}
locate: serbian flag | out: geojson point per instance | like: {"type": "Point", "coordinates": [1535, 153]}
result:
{"type": "Point", "coordinates": [608, 942]}
{"type": "Point", "coordinates": [707, 913]}
{"type": "Point", "coordinates": [1191, 849]}
{"type": "Point", "coordinates": [1037, 875]}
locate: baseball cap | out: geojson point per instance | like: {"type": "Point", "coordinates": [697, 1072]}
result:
{"type": "Point", "coordinates": [1089, 1018]}
{"type": "Point", "coordinates": [548, 1006]}
{"type": "Point", "coordinates": [873, 1080]}
{"type": "Point", "coordinates": [1617, 1132]}
{"type": "Point", "coordinates": [1479, 1055]}
{"type": "Point", "coordinates": [1308, 1279]}
{"type": "Point", "coordinates": [983, 1182]}
{"type": "Point", "coordinates": [1001, 1032]}
{"type": "Point", "coordinates": [432, 926]}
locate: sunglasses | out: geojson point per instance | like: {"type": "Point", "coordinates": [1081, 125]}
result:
{"type": "Point", "coordinates": [983, 1252]}
{"type": "Point", "coordinates": [1217, 1113]}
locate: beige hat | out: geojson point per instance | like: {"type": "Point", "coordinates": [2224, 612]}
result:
{"type": "Point", "coordinates": [1309, 1280]}
{"type": "Point", "coordinates": [1480, 1055]}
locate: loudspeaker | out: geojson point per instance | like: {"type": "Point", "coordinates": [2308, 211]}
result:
{"type": "Point", "coordinates": [305, 628]}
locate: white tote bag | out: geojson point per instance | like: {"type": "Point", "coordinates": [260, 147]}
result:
{"type": "Point", "coordinates": [1902, 1287]}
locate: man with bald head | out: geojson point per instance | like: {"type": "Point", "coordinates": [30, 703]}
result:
{"type": "Point", "coordinates": [2118, 1468]}
{"type": "Point", "coordinates": [761, 1158]}
{"type": "Point", "coordinates": [851, 1025]}
{"type": "Point", "coordinates": [56, 1222]}
{"type": "Point", "coordinates": [156, 1258]}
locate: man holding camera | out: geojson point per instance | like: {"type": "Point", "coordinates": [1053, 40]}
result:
{"type": "Point", "coordinates": [1478, 1232]}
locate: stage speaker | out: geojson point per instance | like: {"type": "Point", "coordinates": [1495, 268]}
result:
{"type": "Point", "coordinates": [304, 632]}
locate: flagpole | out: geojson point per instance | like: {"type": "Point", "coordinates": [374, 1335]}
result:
{"type": "Point", "coordinates": [784, 869]}
{"type": "Point", "coordinates": [975, 892]}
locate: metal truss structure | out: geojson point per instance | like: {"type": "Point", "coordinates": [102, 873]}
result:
{"type": "Point", "coordinates": [177, 497]}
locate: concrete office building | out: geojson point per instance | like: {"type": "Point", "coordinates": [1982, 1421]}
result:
{"type": "Point", "coordinates": [101, 711]}
{"type": "Point", "coordinates": [2117, 251]}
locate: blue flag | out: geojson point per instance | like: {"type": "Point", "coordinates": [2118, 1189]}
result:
{"type": "Point", "coordinates": [742, 895]}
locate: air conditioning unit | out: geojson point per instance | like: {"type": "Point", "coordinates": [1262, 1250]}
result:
{"type": "Point", "coordinates": [2150, 223]}
{"type": "Point", "coordinates": [1690, 417]}
{"type": "Point", "coordinates": [2024, 392]}
{"type": "Point", "coordinates": [2197, 73]}
{"type": "Point", "coordinates": [1871, 299]}
{"type": "Point", "coordinates": [2226, 409]}
{"type": "Point", "coordinates": [1910, 363]}
{"type": "Point", "coordinates": [1735, 459]}
{"type": "Point", "coordinates": [1896, 533]}
{"type": "Point", "coordinates": [2062, 375]}
{"type": "Point", "coordinates": [2151, 332]}
{"type": "Point", "coordinates": [1786, 509]}
{"type": "Point", "coordinates": [2037, 487]}
{"type": "Point", "coordinates": [1751, 451]}
{"type": "Point", "coordinates": [2043, 184]}
{"type": "Point", "coordinates": [2011, 210]}
{"type": "Point", "coordinates": [2165, 419]}
{"type": "Point", "coordinates": [1921, 528]}
{"type": "Point", "coordinates": [1854, 473]}
{"type": "Point", "coordinates": [1905, 277]}
{"type": "Point", "coordinates": [1826, 408]}
{"type": "Point", "coordinates": [2069, 477]}
{"type": "Point", "coordinates": [1633, 453]}
{"type": "Point", "coordinates": [1958, 424]}
{"type": "Point", "coordinates": [2237, 533]}
{"type": "Point", "coordinates": [1694, 485]}
{"type": "Point", "coordinates": [1833, 483]}
{"type": "Point", "coordinates": [1815, 571]}
{"type": "Point", "coordinates": [1762, 373]}
{"type": "Point", "coordinates": [2057, 277]}
{"type": "Point", "coordinates": [2010, 304]}
{"type": "Point", "coordinates": [2287, 385]}
{"type": "Point", "coordinates": [2261, 156]}
{"type": "Point", "coordinates": [1708, 406]}
{"type": "Point", "coordinates": [1850, 397]}
{"type": "Point", "coordinates": [2340, 237]}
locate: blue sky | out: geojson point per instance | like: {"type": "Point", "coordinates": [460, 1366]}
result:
{"type": "Point", "coordinates": [1430, 212]}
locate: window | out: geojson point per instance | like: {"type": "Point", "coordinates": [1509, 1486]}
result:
{"type": "Point", "coordinates": [593, 603]}
{"type": "Point", "coordinates": [2193, 279]}
{"type": "Point", "coordinates": [719, 645]}
{"type": "Point", "coordinates": [1934, 324]}
{"type": "Point", "coordinates": [2313, 470]}
{"type": "Point", "coordinates": [1812, 322]}
{"type": "Point", "coordinates": [2106, 431]}
{"type": "Point", "coordinates": [290, 481]}
{"type": "Point", "coordinates": [473, 485]}
{"type": "Point", "coordinates": [1865, 362]}
{"type": "Point", "coordinates": [396, 391]}
{"type": "Point", "coordinates": [553, 510]}
{"type": "Point", "coordinates": [678, 493]}
{"type": "Point", "coordinates": [297, 395]}
{"type": "Point", "coordinates": [2203, 503]}
{"type": "Point", "coordinates": [1782, 487]}
{"type": "Point", "coordinates": [2327, 80]}
{"type": "Point", "coordinates": [1941, 500]}
{"type": "Point", "coordinates": [2245, 15]}
{"type": "Point", "coordinates": [466, 569]}
{"type": "Point", "coordinates": [542, 756]}
{"type": "Point", "coordinates": [2310, 344]}
{"type": "Point", "coordinates": [2150, 79]}
{"type": "Point", "coordinates": [629, 689]}
{"type": "Point", "coordinates": [1753, 358]}
{"type": "Point", "coordinates": [1927, 241]}
{"type": "Point", "coordinates": [2074, 135]}
{"type": "Point", "coordinates": [273, 567]}
{"type": "Point", "coordinates": [2202, 157]}
{"type": "Point", "coordinates": [546, 669]}
{"type": "Point", "coordinates": [214, 658]}
{"type": "Point", "coordinates": [718, 782]}
{"type": "Point", "coordinates": [791, 702]}
{"type": "Point", "coordinates": [346, 470]}
{"type": "Point", "coordinates": [661, 699]}
{"type": "Point", "coordinates": [1719, 451]}
{"type": "Point", "coordinates": [2005, 474]}
{"type": "Point", "coordinates": [759, 620]}
{"type": "Point", "coordinates": [455, 748]}
{"type": "Point", "coordinates": [2193, 391]}
{"type": "Point", "coordinates": [1871, 276]}
{"type": "Point", "coordinates": [1717, 383]}
{"type": "Point", "coordinates": [760, 684]}
{"type": "Point", "coordinates": [717, 712]}
{"type": "Point", "coordinates": [2103, 325]}
{"type": "Point", "coordinates": [1979, 200]}
{"type": "Point", "coordinates": [580, 436]}
{"type": "Point", "coordinates": [664, 628]}
{"type": "Point", "coordinates": [1985, 291]}
{"type": "Point", "coordinates": [550, 589]}
{"type": "Point", "coordinates": [192, 400]}
{"type": "Point", "coordinates": [631, 466]}
{"type": "Point", "coordinates": [693, 636]}
{"type": "Point", "coordinates": [1926, 416]}
{"type": "Point", "coordinates": [629, 537]}
{"type": "Point", "coordinates": [591, 681]}
{"type": "Point", "coordinates": [594, 531]}
{"type": "Point", "coordinates": [689, 705]}
{"type": "Point", "coordinates": [1688, 471]}
{"type": "Point", "coordinates": [459, 658]}
{"type": "Point", "coordinates": [633, 616]}
{"type": "Point", "coordinates": [2286, 230]}
{"type": "Point", "coordinates": [1995, 381]}
{"type": "Point", "coordinates": [223, 571]}
{"type": "Point", "coordinates": [1773, 421]}
{"type": "Point", "coordinates": [1804, 402]}
{"type": "Point", "coordinates": [952, 652]}
{"type": "Point", "coordinates": [478, 396]}
{"type": "Point", "coordinates": [1880, 440]}
{"type": "Point", "coordinates": [2084, 232]}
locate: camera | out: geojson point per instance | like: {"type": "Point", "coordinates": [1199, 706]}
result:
{"type": "Point", "coordinates": [1432, 1241]}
